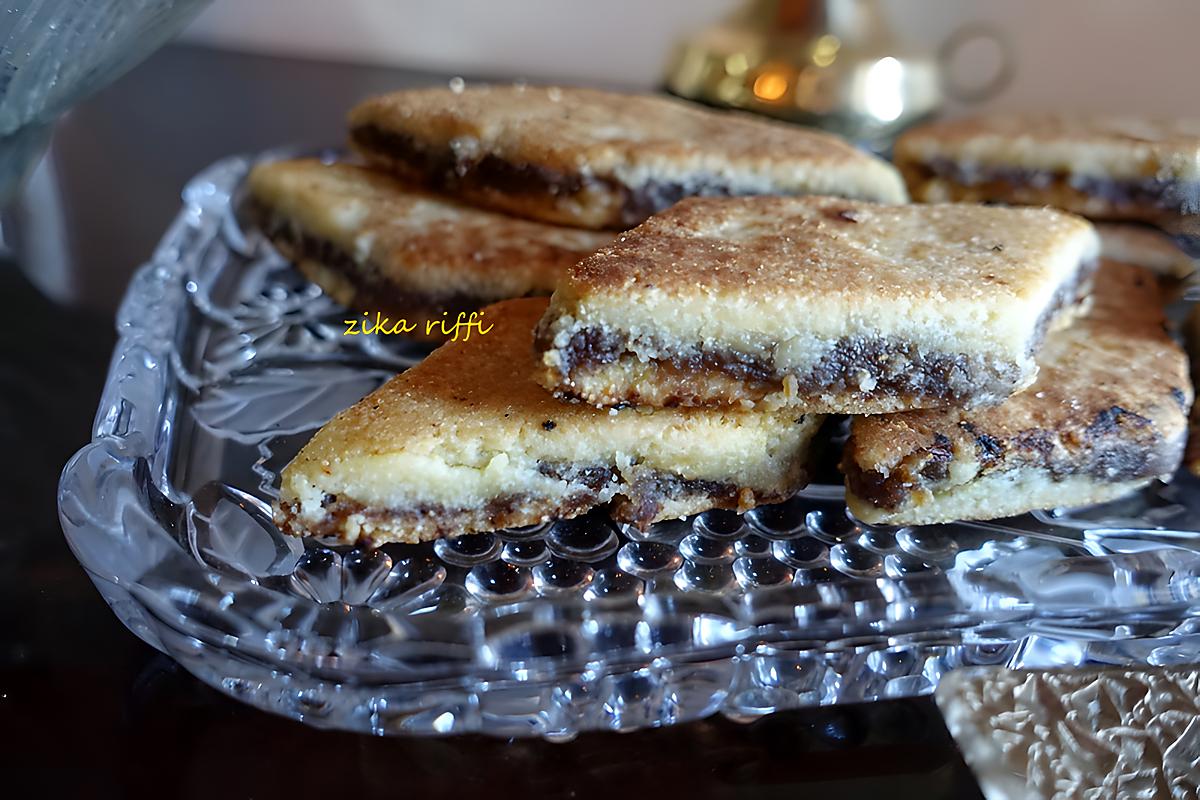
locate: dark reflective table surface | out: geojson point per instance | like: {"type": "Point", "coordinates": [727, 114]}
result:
{"type": "Point", "coordinates": [88, 710]}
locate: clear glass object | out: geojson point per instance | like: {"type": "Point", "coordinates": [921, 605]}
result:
{"type": "Point", "coordinates": [227, 362]}
{"type": "Point", "coordinates": [53, 53]}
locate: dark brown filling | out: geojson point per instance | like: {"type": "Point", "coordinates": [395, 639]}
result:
{"type": "Point", "coordinates": [1071, 292]}
{"type": "Point", "coordinates": [940, 375]}
{"type": "Point", "coordinates": [882, 491]}
{"type": "Point", "coordinates": [444, 169]}
{"type": "Point", "coordinates": [1144, 199]}
{"type": "Point", "coordinates": [638, 504]}
{"type": "Point", "coordinates": [372, 290]}
{"type": "Point", "coordinates": [596, 346]}
{"type": "Point", "coordinates": [594, 478]}
{"type": "Point", "coordinates": [1171, 195]}
{"type": "Point", "coordinates": [643, 502]}
{"type": "Point", "coordinates": [1118, 445]}
{"type": "Point", "coordinates": [899, 368]}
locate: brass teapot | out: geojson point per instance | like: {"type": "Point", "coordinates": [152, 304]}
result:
{"type": "Point", "coordinates": [832, 64]}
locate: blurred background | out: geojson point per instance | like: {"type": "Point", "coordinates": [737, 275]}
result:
{"type": "Point", "coordinates": [1136, 56]}
{"type": "Point", "coordinates": [247, 76]}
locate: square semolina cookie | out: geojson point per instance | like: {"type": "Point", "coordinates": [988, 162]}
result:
{"type": "Point", "coordinates": [821, 303]}
{"type": "Point", "coordinates": [1103, 167]}
{"type": "Point", "coordinates": [466, 442]}
{"type": "Point", "coordinates": [599, 159]}
{"type": "Point", "coordinates": [1107, 415]}
{"type": "Point", "coordinates": [376, 245]}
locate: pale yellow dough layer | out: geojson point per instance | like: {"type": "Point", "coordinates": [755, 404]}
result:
{"type": "Point", "coordinates": [1145, 247]}
{"type": "Point", "coordinates": [1001, 494]}
{"type": "Point", "coordinates": [1112, 147]}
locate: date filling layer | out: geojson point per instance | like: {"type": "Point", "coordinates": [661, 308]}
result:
{"type": "Point", "coordinates": [447, 170]}
{"type": "Point", "coordinates": [1102, 453]}
{"type": "Point", "coordinates": [1182, 197]}
{"type": "Point", "coordinates": [372, 291]}
{"type": "Point", "coordinates": [873, 365]}
{"type": "Point", "coordinates": [638, 502]}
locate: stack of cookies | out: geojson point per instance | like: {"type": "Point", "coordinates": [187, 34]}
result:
{"type": "Point", "coordinates": [1138, 178]}
{"type": "Point", "coordinates": [990, 367]}
{"type": "Point", "coordinates": [466, 196]}
{"type": "Point", "coordinates": [992, 362]}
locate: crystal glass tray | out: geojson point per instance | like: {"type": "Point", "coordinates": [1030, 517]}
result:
{"type": "Point", "coordinates": [228, 361]}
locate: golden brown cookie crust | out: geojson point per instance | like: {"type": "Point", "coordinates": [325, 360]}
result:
{"type": "Point", "coordinates": [601, 159]}
{"type": "Point", "coordinates": [822, 303]}
{"type": "Point", "coordinates": [1107, 413]}
{"type": "Point", "coordinates": [466, 441]}
{"type": "Point", "coordinates": [1105, 168]}
{"type": "Point", "coordinates": [1118, 147]}
{"type": "Point", "coordinates": [374, 244]}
